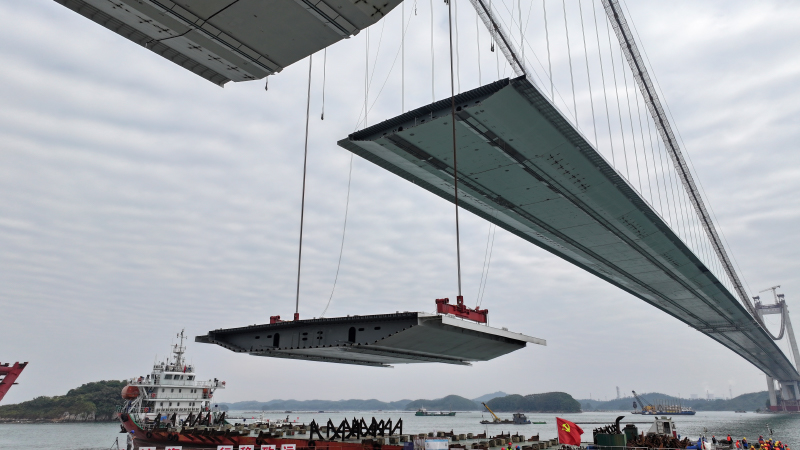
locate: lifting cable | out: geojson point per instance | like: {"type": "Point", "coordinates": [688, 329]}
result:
{"type": "Point", "coordinates": [486, 261]}
{"type": "Point", "coordinates": [458, 53]}
{"type": "Point", "coordinates": [403, 58]}
{"type": "Point", "coordinates": [344, 230]}
{"type": "Point", "coordinates": [433, 94]}
{"type": "Point", "coordinates": [303, 196]}
{"type": "Point", "coordinates": [324, 76]}
{"type": "Point", "coordinates": [478, 40]}
{"type": "Point", "coordinates": [453, 120]}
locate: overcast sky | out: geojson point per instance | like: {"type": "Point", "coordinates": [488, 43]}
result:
{"type": "Point", "coordinates": [137, 199]}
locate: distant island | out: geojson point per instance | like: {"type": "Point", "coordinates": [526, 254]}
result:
{"type": "Point", "coordinates": [92, 402]}
{"type": "Point", "coordinates": [746, 402]}
{"type": "Point", "coordinates": [98, 401]}
{"type": "Point", "coordinates": [499, 401]}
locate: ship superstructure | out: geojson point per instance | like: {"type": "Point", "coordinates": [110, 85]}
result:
{"type": "Point", "coordinates": [171, 392]}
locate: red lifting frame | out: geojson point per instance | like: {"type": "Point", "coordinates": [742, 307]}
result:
{"type": "Point", "coordinates": [443, 306]}
{"type": "Point", "coordinates": [9, 374]}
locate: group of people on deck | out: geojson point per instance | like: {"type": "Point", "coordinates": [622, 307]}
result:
{"type": "Point", "coordinates": [742, 444]}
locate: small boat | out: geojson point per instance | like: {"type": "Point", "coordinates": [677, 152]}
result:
{"type": "Point", "coordinates": [425, 412]}
{"type": "Point", "coordinates": [517, 419]}
{"type": "Point", "coordinates": [741, 412]}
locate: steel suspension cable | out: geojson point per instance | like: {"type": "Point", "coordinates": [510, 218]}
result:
{"type": "Point", "coordinates": [644, 147]}
{"type": "Point", "coordinates": [549, 62]}
{"type": "Point", "coordinates": [588, 76]}
{"type": "Point", "coordinates": [672, 118]}
{"type": "Point", "coordinates": [603, 79]}
{"type": "Point", "coordinates": [303, 195]}
{"type": "Point", "coordinates": [655, 168]}
{"type": "Point", "coordinates": [455, 153]}
{"type": "Point", "coordinates": [619, 106]}
{"type": "Point", "coordinates": [569, 56]}
{"type": "Point", "coordinates": [630, 118]}
{"type": "Point", "coordinates": [403, 58]}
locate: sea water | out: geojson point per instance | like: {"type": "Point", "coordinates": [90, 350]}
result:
{"type": "Point", "coordinates": [101, 436]}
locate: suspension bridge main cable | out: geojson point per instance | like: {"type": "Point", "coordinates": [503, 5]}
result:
{"type": "Point", "coordinates": [680, 137]}
{"type": "Point", "coordinates": [303, 196]}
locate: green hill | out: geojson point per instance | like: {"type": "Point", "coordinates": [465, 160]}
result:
{"type": "Point", "coordinates": [90, 402]}
{"type": "Point", "coordinates": [560, 402]}
{"type": "Point", "coordinates": [449, 403]}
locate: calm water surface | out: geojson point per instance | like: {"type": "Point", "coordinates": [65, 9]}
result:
{"type": "Point", "coordinates": [101, 436]}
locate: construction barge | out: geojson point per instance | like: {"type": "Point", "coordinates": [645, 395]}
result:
{"type": "Point", "coordinates": [357, 434]}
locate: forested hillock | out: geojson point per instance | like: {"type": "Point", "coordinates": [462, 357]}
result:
{"type": "Point", "coordinates": [449, 403]}
{"type": "Point", "coordinates": [95, 401]}
{"type": "Point", "coordinates": [559, 402]}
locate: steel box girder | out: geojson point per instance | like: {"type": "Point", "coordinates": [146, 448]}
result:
{"type": "Point", "coordinates": [376, 340]}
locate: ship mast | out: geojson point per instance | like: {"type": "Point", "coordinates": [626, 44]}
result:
{"type": "Point", "coordinates": [179, 350]}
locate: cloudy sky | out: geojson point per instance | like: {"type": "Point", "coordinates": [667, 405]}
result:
{"type": "Point", "coordinates": [137, 199]}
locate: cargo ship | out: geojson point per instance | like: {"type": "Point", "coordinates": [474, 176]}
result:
{"type": "Point", "coordinates": [660, 408]}
{"type": "Point", "coordinates": [425, 412]}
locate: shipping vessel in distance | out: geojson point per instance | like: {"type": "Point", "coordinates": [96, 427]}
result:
{"type": "Point", "coordinates": [425, 412]}
{"type": "Point", "coordinates": [660, 408]}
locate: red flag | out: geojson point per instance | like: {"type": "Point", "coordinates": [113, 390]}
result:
{"type": "Point", "coordinates": [568, 432]}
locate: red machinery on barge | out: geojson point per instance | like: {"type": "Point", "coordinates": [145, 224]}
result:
{"type": "Point", "coordinates": [8, 376]}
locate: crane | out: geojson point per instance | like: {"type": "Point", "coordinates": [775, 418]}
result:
{"type": "Point", "coordinates": [646, 406]}
{"type": "Point", "coordinates": [496, 419]}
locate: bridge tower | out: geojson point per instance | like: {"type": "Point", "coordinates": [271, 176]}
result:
{"type": "Point", "coordinates": [789, 390]}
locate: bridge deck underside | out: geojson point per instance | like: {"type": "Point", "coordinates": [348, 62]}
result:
{"type": "Point", "coordinates": [525, 168]}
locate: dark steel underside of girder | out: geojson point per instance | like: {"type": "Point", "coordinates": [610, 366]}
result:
{"type": "Point", "coordinates": [522, 166]}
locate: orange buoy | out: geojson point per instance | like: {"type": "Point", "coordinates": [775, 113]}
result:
{"type": "Point", "coordinates": [130, 392]}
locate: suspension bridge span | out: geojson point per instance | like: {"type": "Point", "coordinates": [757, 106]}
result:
{"type": "Point", "coordinates": [523, 163]}
{"type": "Point", "coordinates": [525, 167]}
